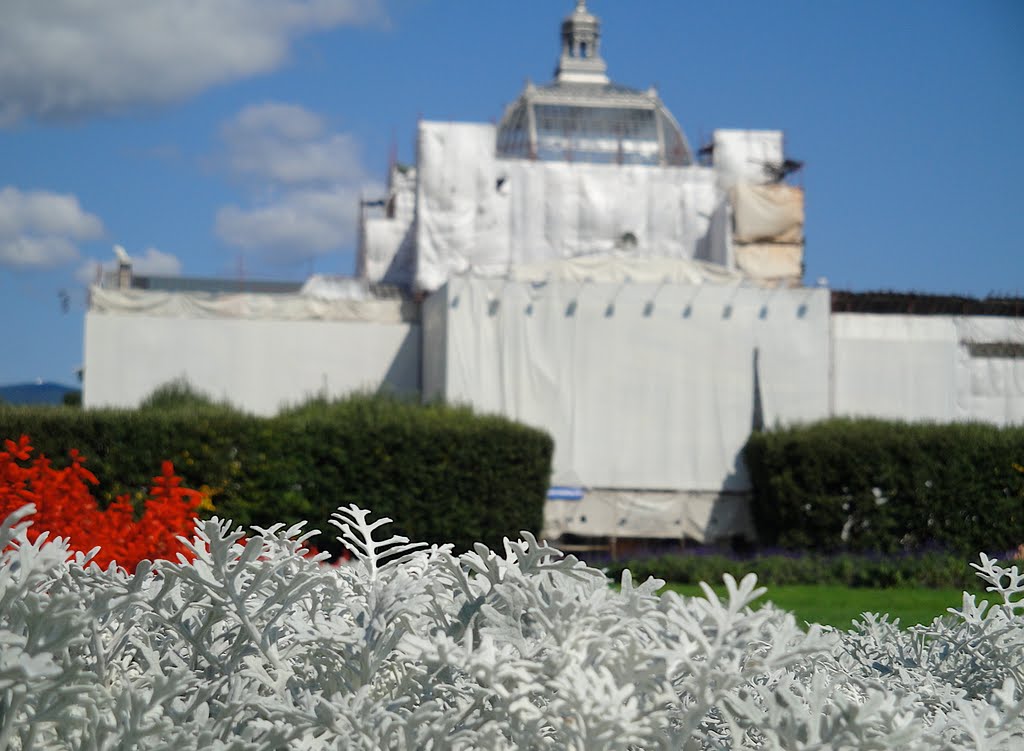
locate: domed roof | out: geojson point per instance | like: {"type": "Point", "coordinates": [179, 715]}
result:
{"type": "Point", "coordinates": [582, 116]}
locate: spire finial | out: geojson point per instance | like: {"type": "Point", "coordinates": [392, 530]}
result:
{"type": "Point", "coordinates": [581, 51]}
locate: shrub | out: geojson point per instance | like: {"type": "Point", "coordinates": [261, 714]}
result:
{"type": "Point", "coordinates": [871, 485]}
{"type": "Point", "coordinates": [254, 647]}
{"type": "Point", "coordinates": [179, 394]}
{"type": "Point", "coordinates": [450, 475]}
{"type": "Point", "coordinates": [932, 570]}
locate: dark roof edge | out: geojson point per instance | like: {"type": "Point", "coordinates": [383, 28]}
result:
{"type": "Point", "coordinates": [916, 303]}
{"type": "Point", "coordinates": [212, 284]}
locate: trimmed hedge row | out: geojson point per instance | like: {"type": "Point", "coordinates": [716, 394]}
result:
{"type": "Point", "coordinates": [873, 485]}
{"type": "Point", "coordinates": [449, 475]}
{"type": "Point", "coordinates": [931, 570]}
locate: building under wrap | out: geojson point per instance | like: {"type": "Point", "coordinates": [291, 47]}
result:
{"type": "Point", "coordinates": [584, 168]}
{"type": "Point", "coordinates": [577, 267]}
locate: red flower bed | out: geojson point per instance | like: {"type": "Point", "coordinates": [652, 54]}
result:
{"type": "Point", "coordinates": [66, 508]}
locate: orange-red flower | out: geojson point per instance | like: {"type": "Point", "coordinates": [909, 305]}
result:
{"type": "Point", "coordinates": [65, 508]}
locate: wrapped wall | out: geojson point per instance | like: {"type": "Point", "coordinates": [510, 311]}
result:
{"type": "Point", "coordinates": [650, 390]}
{"type": "Point", "coordinates": [259, 352]}
{"type": "Point", "coordinates": [941, 368]}
{"type": "Point", "coordinates": [644, 386]}
{"type": "Point", "coordinates": [742, 155]}
{"type": "Point", "coordinates": [479, 214]}
{"type": "Point", "coordinates": [387, 243]}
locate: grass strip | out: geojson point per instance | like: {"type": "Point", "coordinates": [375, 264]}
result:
{"type": "Point", "coordinates": [839, 606]}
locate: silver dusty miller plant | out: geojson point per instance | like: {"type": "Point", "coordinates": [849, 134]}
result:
{"type": "Point", "coordinates": [252, 646]}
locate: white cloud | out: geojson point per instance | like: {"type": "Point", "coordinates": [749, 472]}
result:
{"type": "Point", "coordinates": [314, 177]}
{"type": "Point", "coordinates": [157, 263]}
{"type": "Point", "coordinates": [287, 144]}
{"type": "Point", "coordinates": [63, 59]}
{"type": "Point", "coordinates": [300, 225]}
{"type": "Point", "coordinates": [39, 229]}
{"type": "Point", "coordinates": [28, 252]}
{"type": "Point", "coordinates": [151, 261]}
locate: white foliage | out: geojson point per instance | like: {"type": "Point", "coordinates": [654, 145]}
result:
{"type": "Point", "coordinates": [252, 646]}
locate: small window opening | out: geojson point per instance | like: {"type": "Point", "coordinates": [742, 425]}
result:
{"type": "Point", "coordinates": [1002, 350]}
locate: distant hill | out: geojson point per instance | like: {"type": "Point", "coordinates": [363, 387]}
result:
{"type": "Point", "coordinates": [35, 393]}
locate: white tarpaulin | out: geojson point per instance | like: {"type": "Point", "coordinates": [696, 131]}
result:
{"type": "Point", "coordinates": [387, 251]}
{"type": "Point", "coordinates": [259, 365]}
{"type": "Point", "coordinates": [716, 247]}
{"type": "Point", "coordinates": [643, 386]}
{"type": "Point", "coordinates": [622, 267]}
{"type": "Point", "coordinates": [705, 517]}
{"type": "Point", "coordinates": [483, 215]}
{"type": "Point", "coordinates": [250, 306]}
{"type": "Point", "coordinates": [990, 369]}
{"type": "Point", "coordinates": [387, 254]}
{"type": "Point", "coordinates": [744, 154]}
{"type": "Point", "coordinates": [990, 329]}
{"type": "Point", "coordinates": [942, 368]}
{"type": "Point", "coordinates": [330, 287]}
{"type": "Point", "coordinates": [894, 366]}
{"type": "Point", "coordinates": [458, 203]}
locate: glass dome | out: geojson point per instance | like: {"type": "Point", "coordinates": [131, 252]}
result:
{"type": "Point", "coordinates": [584, 117]}
{"type": "Point", "coordinates": [598, 123]}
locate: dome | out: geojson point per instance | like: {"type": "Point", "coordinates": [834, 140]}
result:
{"type": "Point", "coordinates": [598, 123]}
{"type": "Point", "coordinates": [583, 117]}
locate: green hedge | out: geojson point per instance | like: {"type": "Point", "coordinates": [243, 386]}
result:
{"type": "Point", "coordinates": [863, 485]}
{"type": "Point", "coordinates": [445, 474]}
{"type": "Point", "coordinates": [931, 570]}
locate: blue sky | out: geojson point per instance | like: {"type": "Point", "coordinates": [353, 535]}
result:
{"type": "Point", "coordinates": [227, 137]}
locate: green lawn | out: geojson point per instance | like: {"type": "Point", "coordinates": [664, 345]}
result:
{"type": "Point", "coordinates": [838, 606]}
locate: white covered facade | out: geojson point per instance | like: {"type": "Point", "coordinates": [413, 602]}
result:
{"type": "Point", "coordinates": [939, 368]}
{"type": "Point", "coordinates": [650, 386]}
{"type": "Point", "coordinates": [577, 268]}
{"type": "Point", "coordinates": [650, 390]}
{"type": "Point", "coordinates": [584, 168]}
{"type": "Point", "coordinates": [465, 209]}
{"type": "Point", "coordinates": [258, 350]}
